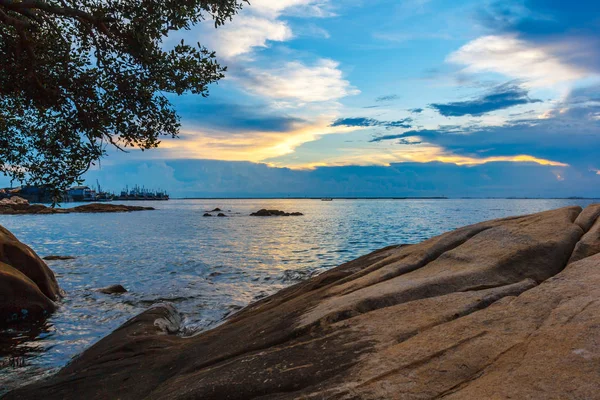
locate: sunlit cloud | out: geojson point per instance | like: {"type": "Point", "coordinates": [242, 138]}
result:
{"type": "Point", "coordinates": [322, 81]}
{"type": "Point", "coordinates": [510, 56]}
{"type": "Point", "coordinates": [260, 23]}
{"type": "Point", "coordinates": [255, 146]}
{"type": "Point", "coordinates": [415, 153]}
{"type": "Point", "coordinates": [249, 32]}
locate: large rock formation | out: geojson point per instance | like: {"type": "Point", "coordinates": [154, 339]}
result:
{"type": "Point", "coordinates": [28, 288]}
{"type": "Point", "coordinates": [489, 311]}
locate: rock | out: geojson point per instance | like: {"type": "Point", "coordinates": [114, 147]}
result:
{"type": "Point", "coordinates": [216, 210]}
{"type": "Point", "coordinates": [221, 215]}
{"type": "Point", "coordinates": [274, 213]}
{"type": "Point", "coordinates": [15, 209]}
{"type": "Point", "coordinates": [28, 288]}
{"type": "Point", "coordinates": [58, 258]}
{"type": "Point", "coordinates": [207, 215]}
{"type": "Point", "coordinates": [14, 200]}
{"type": "Point", "coordinates": [113, 289]}
{"type": "Point", "coordinates": [488, 311]}
{"type": "Point", "coordinates": [106, 208]}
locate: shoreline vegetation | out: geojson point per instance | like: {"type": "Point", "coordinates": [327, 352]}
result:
{"type": "Point", "coordinates": [506, 308]}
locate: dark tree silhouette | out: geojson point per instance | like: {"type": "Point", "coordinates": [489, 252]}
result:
{"type": "Point", "coordinates": [77, 76]}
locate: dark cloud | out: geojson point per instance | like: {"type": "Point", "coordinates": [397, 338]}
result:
{"type": "Point", "coordinates": [389, 97]}
{"type": "Point", "coordinates": [232, 118]}
{"type": "Point", "coordinates": [570, 27]}
{"type": "Point", "coordinates": [414, 133]}
{"type": "Point", "coordinates": [584, 95]}
{"type": "Point", "coordinates": [370, 122]}
{"type": "Point", "coordinates": [571, 136]}
{"type": "Point", "coordinates": [206, 178]}
{"type": "Point", "coordinates": [501, 97]}
{"type": "Point", "coordinates": [408, 142]}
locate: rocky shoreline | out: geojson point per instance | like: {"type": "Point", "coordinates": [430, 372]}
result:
{"type": "Point", "coordinates": [507, 308]}
{"type": "Point", "coordinates": [18, 206]}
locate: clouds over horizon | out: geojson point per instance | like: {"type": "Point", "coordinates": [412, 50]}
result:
{"type": "Point", "coordinates": [205, 178]}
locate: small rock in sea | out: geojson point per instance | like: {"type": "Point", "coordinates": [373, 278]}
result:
{"type": "Point", "coordinates": [216, 210]}
{"type": "Point", "coordinates": [55, 258]}
{"type": "Point", "coordinates": [221, 215]}
{"type": "Point", "coordinates": [207, 215]}
{"type": "Point", "coordinates": [274, 213]}
{"type": "Point", "coordinates": [113, 289]}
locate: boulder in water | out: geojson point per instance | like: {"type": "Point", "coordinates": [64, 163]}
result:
{"type": "Point", "coordinates": [274, 213]}
{"type": "Point", "coordinates": [58, 258]}
{"type": "Point", "coordinates": [113, 289]}
{"type": "Point", "coordinates": [28, 288]}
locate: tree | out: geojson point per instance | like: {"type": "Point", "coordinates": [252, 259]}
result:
{"type": "Point", "coordinates": [77, 76]}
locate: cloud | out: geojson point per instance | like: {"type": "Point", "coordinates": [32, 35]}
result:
{"type": "Point", "coordinates": [568, 30]}
{"type": "Point", "coordinates": [416, 110]}
{"type": "Point", "coordinates": [254, 145]}
{"type": "Point", "coordinates": [570, 136]}
{"type": "Point", "coordinates": [389, 97]}
{"type": "Point", "coordinates": [510, 56]}
{"type": "Point", "coordinates": [209, 178]}
{"type": "Point", "coordinates": [260, 23]}
{"type": "Point", "coordinates": [231, 118]}
{"type": "Point", "coordinates": [370, 122]}
{"type": "Point", "coordinates": [248, 33]}
{"type": "Point", "coordinates": [408, 142]}
{"type": "Point", "coordinates": [294, 80]}
{"type": "Point", "coordinates": [499, 98]}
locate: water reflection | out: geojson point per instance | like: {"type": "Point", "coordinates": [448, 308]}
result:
{"type": "Point", "coordinates": [207, 267]}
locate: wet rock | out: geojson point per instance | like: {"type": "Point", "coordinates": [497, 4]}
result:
{"type": "Point", "coordinates": [274, 213]}
{"type": "Point", "coordinates": [58, 258]}
{"type": "Point", "coordinates": [28, 288]}
{"type": "Point", "coordinates": [488, 311]}
{"type": "Point", "coordinates": [216, 210]}
{"type": "Point", "coordinates": [221, 215]}
{"type": "Point", "coordinates": [207, 215]}
{"type": "Point", "coordinates": [113, 289]}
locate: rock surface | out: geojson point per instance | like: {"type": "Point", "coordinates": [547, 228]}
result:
{"type": "Point", "coordinates": [58, 258]}
{"type": "Point", "coordinates": [274, 213]}
{"type": "Point", "coordinates": [14, 200]}
{"type": "Point", "coordinates": [26, 208]}
{"type": "Point", "coordinates": [113, 289]}
{"type": "Point", "coordinates": [28, 288]}
{"type": "Point", "coordinates": [489, 311]}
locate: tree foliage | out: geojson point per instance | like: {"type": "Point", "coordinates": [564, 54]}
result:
{"type": "Point", "coordinates": [77, 76]}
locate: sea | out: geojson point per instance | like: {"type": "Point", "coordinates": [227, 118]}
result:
{"type": "Point", "coordinates": [208, 267]}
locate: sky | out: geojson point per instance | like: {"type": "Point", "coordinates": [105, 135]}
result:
{"type": "Point", "coordinates": [387, 98]}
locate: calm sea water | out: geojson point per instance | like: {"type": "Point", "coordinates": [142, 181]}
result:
{"type": "Point", "coordinates": [207, 267]}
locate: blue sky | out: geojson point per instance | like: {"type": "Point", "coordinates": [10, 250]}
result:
{"type": "Point", "coordinates": [388, 98]}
